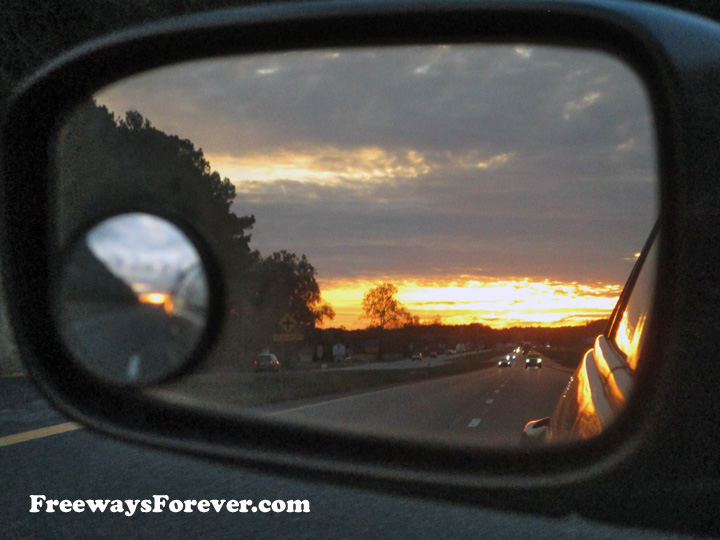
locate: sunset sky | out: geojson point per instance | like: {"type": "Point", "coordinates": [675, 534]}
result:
{"type": "Point", "coordinates": [505, 185]}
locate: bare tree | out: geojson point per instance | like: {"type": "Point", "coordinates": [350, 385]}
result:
{"type": "Point", "coordinates": [382, 308]}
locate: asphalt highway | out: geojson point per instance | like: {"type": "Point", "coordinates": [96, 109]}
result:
{"type": "Point", "coordinates": [129, 343]}
{"type": "Point", "coordinates": [486, 407]}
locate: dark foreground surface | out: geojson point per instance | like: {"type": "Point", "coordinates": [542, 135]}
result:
{"type": "Point", "coordinates": [83, 465]}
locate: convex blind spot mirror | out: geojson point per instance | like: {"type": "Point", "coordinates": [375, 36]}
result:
{"type": "Point", "coordinates": [390, 222]}
{"type": "Point", "coordinates": [132, 300]}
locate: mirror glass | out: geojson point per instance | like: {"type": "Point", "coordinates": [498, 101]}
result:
{"type": "Point", "coordinates": [133, 299]}
{"type": "Point", "coordinates": [390, 223]}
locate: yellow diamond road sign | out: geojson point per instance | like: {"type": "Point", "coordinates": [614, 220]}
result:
{"type": "Point", "coordinates": [287, 323]}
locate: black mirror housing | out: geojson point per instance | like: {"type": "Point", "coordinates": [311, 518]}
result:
{"type": "Point", "coordinates": [660, 453]}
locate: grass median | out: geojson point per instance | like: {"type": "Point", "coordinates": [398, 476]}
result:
{"type": "Point", "coordinates": [255, 389]}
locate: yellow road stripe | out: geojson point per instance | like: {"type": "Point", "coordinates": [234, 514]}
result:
{"type": "Point", "coordinates": [38, 433]}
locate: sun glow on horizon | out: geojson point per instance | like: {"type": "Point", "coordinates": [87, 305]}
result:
{"type": "Point", "coordinates": [498, 303]}
{"type": "Point", "coordinates": [157, 299]}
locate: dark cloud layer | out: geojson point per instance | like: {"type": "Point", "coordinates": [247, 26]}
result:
{"type": "Point", "coordinates": [454, 232]}
{"type": "Point", "coordinates": [498, 160]}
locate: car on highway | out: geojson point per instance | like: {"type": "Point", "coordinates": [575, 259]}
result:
{"type": "Point", "coordinates": [533, 360]}
{"type": "Point", "coordinates": [506, 361]}
{"type": "Point", "coordinates": [267, 362]}
{"type": "Point", "coordinates": [417, 356]}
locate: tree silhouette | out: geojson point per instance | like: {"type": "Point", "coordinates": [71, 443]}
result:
{"type": "Point", "coordinates": [287, 285]}
{"type": "Point", "coordinates": [108, 165]}
{"type": "Point", "coordinates": [383, 310]}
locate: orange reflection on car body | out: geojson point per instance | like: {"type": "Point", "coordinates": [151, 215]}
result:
{"type": "Point", "coordinates": [604, 384]}
{"type": "Point", "coordinates": [615, 374]}
{"type": "Point", "coordinates": [629, 339]}
{"type": "Point", "coordinates": [587, 423]}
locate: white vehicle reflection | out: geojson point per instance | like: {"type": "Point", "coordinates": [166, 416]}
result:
{"type": "Point", "coordinates": [599, 389]}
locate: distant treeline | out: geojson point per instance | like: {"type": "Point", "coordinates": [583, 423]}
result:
{"type": "Point", "coordinates": [439, 337]}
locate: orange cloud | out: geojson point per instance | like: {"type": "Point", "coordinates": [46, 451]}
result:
{"type": "Point", "coordinates": [326, 165]}
{"type": "Point", "coordinates": [496, 162]}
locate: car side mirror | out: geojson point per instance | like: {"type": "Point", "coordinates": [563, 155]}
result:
{"type": "Point", "coordinates": [535, 432]}
{"type": "Point", "coordinates": [170, 328]}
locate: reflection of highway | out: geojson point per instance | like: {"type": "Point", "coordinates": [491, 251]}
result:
{"type": "Point", "coordinates": [127, 343]}
{"type": "Point", "coordinates": [490, 406]}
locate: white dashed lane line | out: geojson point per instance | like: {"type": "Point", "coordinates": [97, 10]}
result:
{"type": "Point", "coordinates": [475, 422]}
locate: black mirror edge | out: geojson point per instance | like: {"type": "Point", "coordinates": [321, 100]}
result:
{"type": "Point", "coordinates": [642, 471]}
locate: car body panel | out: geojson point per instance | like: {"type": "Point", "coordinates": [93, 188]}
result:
{"type": "Point", "coordinates": [602, 384]}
